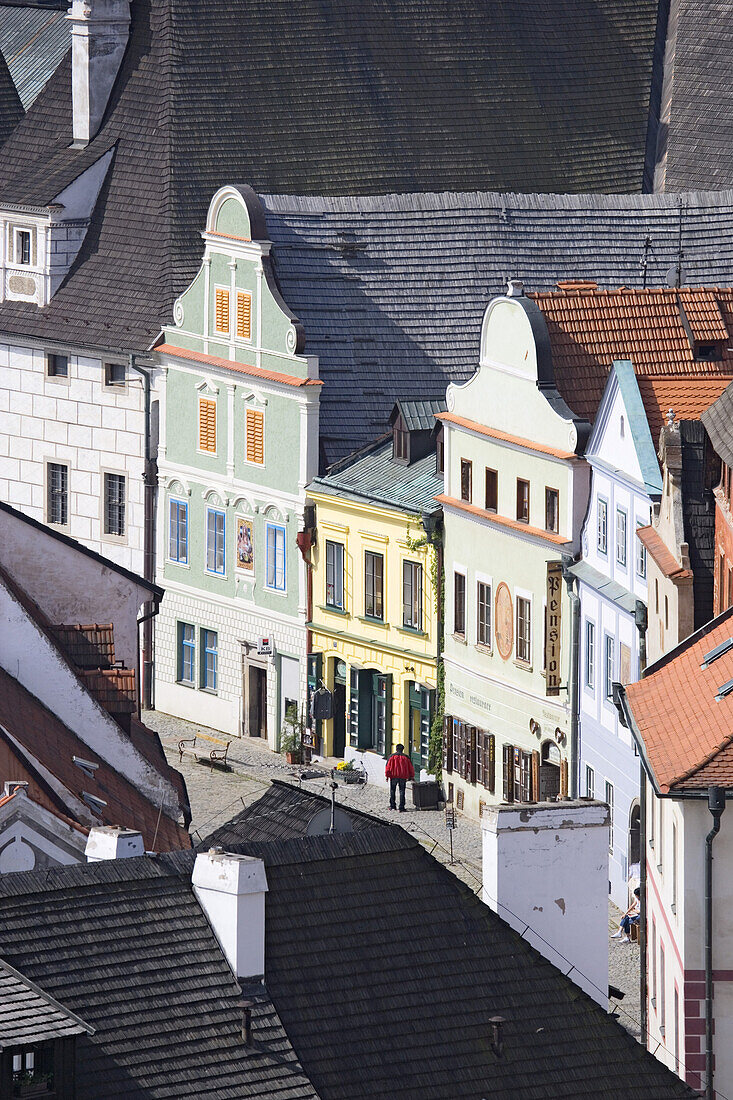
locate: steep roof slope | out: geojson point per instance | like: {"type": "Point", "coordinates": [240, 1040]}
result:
{"type": "Point", "coordinates": [33, 39]}
{"type": "Point", "coordinates": [381, 97]}
{"type": "Point", "coordinates": [391, 290]}
{"type": "Point", "coordinates": [28, 1015]}
{"type": "Point", "coordinates": [126, 944]}
{"type": "Point", "coordinates": [11, 108]}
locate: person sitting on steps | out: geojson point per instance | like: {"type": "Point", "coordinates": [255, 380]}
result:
{"type": "Point", "coordinates": [631, 916]}
{"type": "Point", "coordinates": [398, 770]}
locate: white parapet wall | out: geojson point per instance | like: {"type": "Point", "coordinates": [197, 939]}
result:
{"type": "Point", "coordinates": [545, 872]}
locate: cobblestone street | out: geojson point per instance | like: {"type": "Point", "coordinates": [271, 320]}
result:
{"type": "Point", "coordinates": [217, 795]}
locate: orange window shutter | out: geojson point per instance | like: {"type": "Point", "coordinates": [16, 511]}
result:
{"type": "Point", "coordinates": [255, 436]}
{"type": "Point", "coordinates": [207, 425]}
{"type": "Point", "coordinates": [244, 315]}
{"type": "Point", "coordinates": [222, 311]}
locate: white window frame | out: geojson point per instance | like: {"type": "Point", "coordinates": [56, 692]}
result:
{"type": "Point", "coordinates": [59, 379]}
{"type": "Point", "coordinates": [210, 509]}
{"type": "Point", "coordinates": [590, 655]}
{"type": "Point", "coordinates": [417, 586]}
{"type": "Point", "coordinates": [640, 551]}
{"type": "Point", "coordinates": [488, 582]}
{"type": "Point", "coordinates": [181, 504]}
{"type": "Point", "coordinates": [338, 582]}
{"type": "Point", "coordinates": [609, 792]}
{"type": "Point", "coordinates": [47, 490]}
{"type": "Point", "coordinates": [608, 676]}
{"type": "Point", "coordinates": [116, 387]}
{"type": "Point", "coordinates": [31, 231]}
{"type": "Point", "coordinates": [109, 536]}
{"type": "Point", "coordinates": [622, 543]}
{"type": "Point", "coordinates": [277, 528]}
{"type": "Point", "coordinates": [590, 781]}
{"type": "Point", "coordinates": [521, 594]}
{"type": "Point", "coordinates": [602, 528]}
{"type": "Point", "coordinates": [460, 569]}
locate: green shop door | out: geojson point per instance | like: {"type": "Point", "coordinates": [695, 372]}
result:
{"type": "Point", "coordinates": [420, 716]}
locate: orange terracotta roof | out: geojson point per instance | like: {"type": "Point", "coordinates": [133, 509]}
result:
{"type": "Point", "coordinates": [662, 555]}
{"type": "Point", "coordinates": [502, 521]}
{"type": "Point", "coordinates": [239, 368]}
{"type": "Point", "coordinates": [503, 437]}
{"type": "Point", "coordinates": [591, 328]}
{"type": "Point", "coordinates": [49, 741]}
{"type": "Point", "coordinates": [90, 646]}
{"type": "Point", "coordinates": [687, 734]}
{"type": "Point", "coordinates": [114, 688]}
{"type": "Point", "coordinates": [688, 397]}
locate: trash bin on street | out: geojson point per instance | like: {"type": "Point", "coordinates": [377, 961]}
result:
{"type": "Point", "coordinates": [426, 795]}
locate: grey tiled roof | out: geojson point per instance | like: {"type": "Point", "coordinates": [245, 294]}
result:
{"type": "Point", "coordinates": [372, 474]}
{"type": "Point", "coordinates": [611, 589]}
{"type": "Point", "coordinates": [33, 40]}
{"type": "Point", "coordinates": [718, 422]}
{"type": "Point", "coordinates": [28, 1015]}
{"type": "Point", "coordinates": [391, 290]}
{"type": "Point", "coordinates": [419, 416]}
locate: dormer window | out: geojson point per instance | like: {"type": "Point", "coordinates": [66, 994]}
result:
{"type": "Point", "coordinates": [708, 353]}
{"type": "Point", "coordinates": [400, 441]}
{"type": "Point", "coordinates": [23, 246]}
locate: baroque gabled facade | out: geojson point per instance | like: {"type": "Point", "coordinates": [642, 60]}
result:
{"type": "Point", "coordinates": [238, 446]}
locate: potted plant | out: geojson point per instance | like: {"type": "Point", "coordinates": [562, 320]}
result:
{"type": "Point", "coordinates": [290, 737]}
{"type": "Point", "coordinates": [346, 772]}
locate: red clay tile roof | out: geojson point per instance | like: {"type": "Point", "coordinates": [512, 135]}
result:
{"type": "Point", "coordinates": [49, 741]}
{"type": "Point", "coordinates": [590, 328]}
{"type": "Point", "coordinates": [502, 521]}
{"type": "Point", "coordinates": [687, 734]}
{"type": "Point", "coordinates": [503, 437]}
{"type": "Point", "coordinates": [114, 688]}
{"type": "Point", "coordinates": [688, 397]}
{"type": "Point", "coordinates": [91, 646]}
{"type": "Point", "coordinates": [660, 552]}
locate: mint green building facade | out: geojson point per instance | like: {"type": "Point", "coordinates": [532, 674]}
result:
{"type": "Point", "coordinates": [238, 446]}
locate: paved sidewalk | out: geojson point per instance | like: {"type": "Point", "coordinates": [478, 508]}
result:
{"type": "Point", "coordinates": [217, 795]}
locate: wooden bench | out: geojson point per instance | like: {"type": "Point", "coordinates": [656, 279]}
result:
{"type": "Point", "coordinates": [212, 757]}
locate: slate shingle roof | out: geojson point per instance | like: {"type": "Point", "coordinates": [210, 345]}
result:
{"type": "Point", "coordinates": [11, 108]}
{"type": "Point", "coordinates": [28, 1015]}
{"type": "Point", "coordinates": [687, 734]}
{"type": "Point", "coordinates": [282, 813]}
{"type": "Point", "coordinates": [372, 474]}
{"type": "Point", "coordinates": [718, 421]}
{"type": "Point", "coordinates": [33, 40]}
{"type": "Point", "coordinates": [126, 944]}
{"type": "Point", "coordinates": [382, 967]}
{"type": "Point", "coordinates": [400, 316]}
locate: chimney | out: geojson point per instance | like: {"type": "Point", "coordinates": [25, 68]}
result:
{"type": "Point", "coordinates": [231, 891]}
{"type": "Point", "coordinates": [99, 33]}
{"type": "Point", "coordinates": [545, 865]}
{"type": "Point", "coordinates": [112, 842]}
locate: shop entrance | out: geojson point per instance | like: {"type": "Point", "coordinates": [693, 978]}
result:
{"type": "Point", "coordinates": [339, 708]}
{"type": "Point", "coordinates": [418, 725]}
{"type": "Point", "coordinates": [254, 717]}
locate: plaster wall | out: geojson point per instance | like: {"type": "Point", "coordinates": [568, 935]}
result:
{"type": "Point", "coordinates": [81, 422]}
{"type": "Point", "coordinates": [31, 838]}
{"type": "Point", "coordinates": [723, 554]}
{"type": "Point", "coordinates": [561, 893]}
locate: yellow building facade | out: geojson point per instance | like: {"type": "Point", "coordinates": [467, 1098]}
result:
{"type": "Point", "coordinates": [374, 628]}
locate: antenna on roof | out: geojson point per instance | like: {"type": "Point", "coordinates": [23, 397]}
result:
{"type": "Point", "coordinates": [645, 260]}
{"type": "Point", "coordinates": [719, 650]}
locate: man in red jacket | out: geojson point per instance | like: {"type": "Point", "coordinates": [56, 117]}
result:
{"type": "Point", "coordinates": [398, 770]}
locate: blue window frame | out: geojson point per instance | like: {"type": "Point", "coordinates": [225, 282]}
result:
{"type": "Point", "coordinates": [178, 532]}
{"type": "Point", "coordinates": [215, 541]}
{"type": "Point", "coordinates": [209, 660]}
{"type": "Point", "coordinates": [186, 653]}
{"type": "Point", "coordinates": [275, 557]}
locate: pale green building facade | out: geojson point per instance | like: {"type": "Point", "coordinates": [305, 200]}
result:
{"type": "Point", "coordinates": [238, 445]}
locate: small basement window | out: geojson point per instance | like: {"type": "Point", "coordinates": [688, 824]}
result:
{"type": "Point", "coordinates": [57, 366]}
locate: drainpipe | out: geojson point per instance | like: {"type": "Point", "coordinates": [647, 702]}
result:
{"type": "Point", "coordinates": [150, 481]}
{"type": "Point", "coordinates": [573, 676]}
{"type": "Point", "coordinates": [148, 615]}
{"type": "Point", "coordinates": [641, 621]}
{"type": "Point", "coordinates": [643, 970]}
{"type": "Point", "coordinates": [716, 805]}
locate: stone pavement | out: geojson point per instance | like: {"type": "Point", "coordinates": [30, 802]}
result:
{"type": "Point", "coordinates": [217, 796]}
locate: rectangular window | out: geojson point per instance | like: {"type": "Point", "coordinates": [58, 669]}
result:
{"type": "Point", "coordinates": [186, 653]}
{"type": "Point", "coordinates": [354, 707]}
{"type": "Point", "coordinates": [373, 585]}
{"type": "Point", "coordinates": [640, 553]}
{"type": "Point", "coordinates": [466, 479]}
{"type": "Point", "coordinates": [485, 760]}
{"type": "Point", "coordinates": [23, 246]}
{"type": "Point", "coordinates": [57, 366]}
{"type": "Point", "coordinates": [207, 425]}
{"type": "Point", "coordinates": [334, 575]}
{"type": "Point", "coordinates": [178, 531]}
{"type": "Point", "coordinates": [552, 510]}
{"type": "Point", "coordinates": [522, 776]}
{"type": "Point", "coordinates": [492, 490]}
{"type": "Point", "coordinates": [609, 800]}
{"type": "Point", "coordinates": [115, 375]}
{"type": "Point", "coordinates": [590, 654]}
{"type": "Point", "coordinates": [412, 595]}
{"type": "Point", "coordinates": [524, 630]}
{"type": "Point", "coordinates": [114, 504]}
{"type": "Point", "coordinates": [244, 315]}
{"type": "Point", "coordinates": [522, 500]}
{"type": "Point", "coordinates": [621, 536]}
{"type": "Point", "coordinates": [602, 526]}
{"type": "Point", "coordinates": [275, 557]}
{"type": "Point", "coordinates": [209, 660]}
{"type": "Point", "coordinates": [57, 504]}
{"type": "Point", "coordinates": [400, 440]}
{"type": "Point", "coordinates": [609, 666]}
{"type": "Point", "coordinates": [459, 604]}
{"type": "Point", "coordinates": [222, 310]}
{"type": "Point", "coordinates": [590, 781]}
{"type": "Point", "coordinates": [662, 990]}
{"type": "Point", "coordinates": [440, 453]}
{"type": "Point", "coordinates": [255, 430]}
{"type": "Point", "coordinates": [215, 540]}
{"type": "Point", "coordinates": [379, 714]}
{"type": "Point", "coordinates": [483, 613]}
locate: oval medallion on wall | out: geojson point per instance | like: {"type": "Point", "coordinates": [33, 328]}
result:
{"type": "Point", "coordinates": [22, 284]}
{"type": "Point", "coordinates": [504, 620]}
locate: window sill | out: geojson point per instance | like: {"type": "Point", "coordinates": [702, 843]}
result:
{"type": "Point", "coordinates": [276, 591]}
{"type": "Point", "coordinates": [334, 610]}
{"type": "Point", "coordinates": [180, 564]}
{"type": "Point", "coordinates": [525, 665]}
{"type": "Point", "coordinates": [411, 630]}
{"type": "Point", "coordinates": [209, 454]}
{"type": "Point", "coordinates": [483, 648]}
{"type": "Point", "coordinates": [186, 684]}
{"type": "Point", "coordinates": [460, 638]}
{"type": "Point", "coordinates": [219, 576]}
{"type": "Point", "coordinates": [117, 540]}
{"type": "Point", "coordinates": [209, 691]}
{"type": "Point", "coordinates": [372, 622]}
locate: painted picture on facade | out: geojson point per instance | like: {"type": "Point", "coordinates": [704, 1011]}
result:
{"type": "Point", "coordinates": [245, 555]}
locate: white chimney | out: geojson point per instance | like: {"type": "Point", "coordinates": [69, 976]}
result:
{"type": "Point", "coordinates": [112, 842]}
{"type": "Point", "coordinates": [545, 869]}
{"type": "Point", "coordinates": [99, 33]}
{"type": "Point", "coordinates": [514, 288]}
{"type": "Point", "coordinates": [231, 891]}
